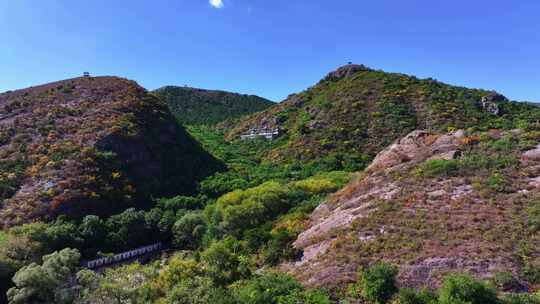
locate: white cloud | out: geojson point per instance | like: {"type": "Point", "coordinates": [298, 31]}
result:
{"type": "Point", "coordinates": [216, 3]}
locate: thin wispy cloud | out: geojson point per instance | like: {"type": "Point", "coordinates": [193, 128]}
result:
{"type": "Point", "coordinates": [216, 3]}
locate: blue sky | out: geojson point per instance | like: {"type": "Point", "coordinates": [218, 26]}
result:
{"type": "Point", "coordinates": [271, 48]}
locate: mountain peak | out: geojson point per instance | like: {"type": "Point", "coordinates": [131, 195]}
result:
{"type": "Point", "coordinates": [347, 71]}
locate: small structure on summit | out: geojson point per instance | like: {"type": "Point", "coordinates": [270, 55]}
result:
{"type": "Point", "coordinates": [86, 74]}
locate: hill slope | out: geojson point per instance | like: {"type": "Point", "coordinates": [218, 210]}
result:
{"type": "Point", "coordinates": [432, 204]}
{"type": "Point", "coordinates": [91, 145]}
{"type": "Point", "coordinates": [197, 106]}
{"type": "Point", "coordinates": [357, 110]}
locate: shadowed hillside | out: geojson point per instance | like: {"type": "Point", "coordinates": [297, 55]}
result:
{"type": "Point", "coordinates": [91, 145]}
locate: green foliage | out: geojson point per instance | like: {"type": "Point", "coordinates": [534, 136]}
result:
{"type": "Point", "coordinates": [379, 283]}
{"type": "Point", "coordinates": [463, 288]}
{"type": "Point", "coordinates": [244, 209]}
{"type": "Point", "coordinates": [411, 296]}
{"type": "Point", "coordinates": [225, 261]}
{"type": "Point", "coordinates": [520, 299]}
{"type": "Point", "coordinates": [196, 106]}
{"type": "Point", "coordinates": [46, 283]}
{"type": "Point", "coordinates": [505, 281]}
{"type": "Point", "coordinates": [323, 183]}
{"type": "Point", "coordinates": [367, 110]}
{"type": "Point", "coordinates": [312, 296]}
{"type": "Point", "coordinates": [437, 167]}
{"type": "Point", "coordinates": [266, 289]}
{"type": "Point", "coordinates": [279, 247]}
{"type": "Point", "coordinates": [181, 202]}
{"type": "Point", "coordinates": [189, 230]}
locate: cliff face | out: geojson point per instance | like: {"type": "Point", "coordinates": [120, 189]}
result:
{"type": "Point", "coordinates": [432, 204]}
{"type": "Point", "coordinates": [91, 145]}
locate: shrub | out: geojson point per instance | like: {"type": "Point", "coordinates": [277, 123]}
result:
{"type": "Point", "coordinates": [245, 209]}
{"type": "Point", "coordinates": [279, 247]}
{"type": "Point", "coordinates": [520, 299]}
{"type": "Point", "coordinates": [379, 283]}
{"type": "Point", "coordinates": [505, 281]}
{"type": "Point", "coordinates": [324, 183]}
{"type": "Point", "coordinates": [464, 289]}
{"type": "Point", "coordinates": [410, 296]}
{"type": "Point", "coordinates": [496, 182]}
{"type": "Point", "coordinates": [313, 296]}
{"type": "Point", "coordinates": [189, 230]}
{"type": "Point", "coordinates": [437, 167]}
{"type": "Point", "coordinates": [266, 288]}
{"type": "Point", "coordinates": [224, 262]}
{"type": "Point", "coordinates": [46, 283]}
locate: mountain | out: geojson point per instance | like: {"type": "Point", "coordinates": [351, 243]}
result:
{"type": "Point", "coordinates": [357, 110]}
{"type": "Point", "coordinates": [91, 145]}
{"type": "Point", "coordinates": [433, 204]}
{"type": "Point", "coordinates": [193, 106]}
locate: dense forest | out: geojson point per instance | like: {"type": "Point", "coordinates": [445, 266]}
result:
{"type": "Point", "coordinates": [197, 106]}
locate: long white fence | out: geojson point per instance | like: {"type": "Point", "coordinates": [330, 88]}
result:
{"type": "Point", "coordinates": [123, 256]}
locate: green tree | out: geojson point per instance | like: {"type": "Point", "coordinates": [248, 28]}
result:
{"type": "Point", "coordinates": [46, 283]}
{"type": "Point", "coordinates": [379, 282]}
{"type": "Point", "coordinates": [464, 289]}
{"type": "Point", "coordinates": [267, 288]}
{"type": "Point", "coordinates": [189, 230]}
{"type": "Point", "coordinates": [224, 262]}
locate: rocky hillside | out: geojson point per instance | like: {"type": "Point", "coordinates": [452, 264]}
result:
{"type": "Point", "coordinates": [197, 106]}
{"type": "Point", "coordinates": [433, 203]}
{"type": "Point", "coordinates": [357, 110]}
{"type": "Point", "coordinates": [91, 145]}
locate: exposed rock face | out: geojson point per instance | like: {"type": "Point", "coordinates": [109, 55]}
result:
{"type": "Point", "coordinates": [428, 226]}
{"type": "Point", "coordinates": [346, 71]}
{"type": "Point", "coordinates": [91, 145]}
{"type": "Point", "coordinates": [418, 146]}
{"type": "Point", "coordinates": [490, 103]}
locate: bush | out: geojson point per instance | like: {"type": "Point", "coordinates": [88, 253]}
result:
{"type": "Point", "coordinates": [279, 248]}
{"type": "Point", "coordinates": [436, 167]}
{"type": "Point", "coordinates": [224, 262]}
{"type": "Point", "coordinates": [520, 299]}
{"type": "Point", "coordinates": [46, 283]}
{"type": "Point", "coordinates": [410, 296]}
{"type": "Point", "coordinates": [267, 288]}
{"type": "Point", "coordinates": [324, 183]}
{"type": "Point", "coordinates": [379, 283]}
{"type": "Point", "coordinates": [245, 209]}
{"type": "Point", "coordinates": [314, 296]}
{"type": "Point", "coordinates": [505, 281]}
{"type": "Point", "coordinates": [189, 230]}
{"type": "Point", "coordinates": [464, 289]}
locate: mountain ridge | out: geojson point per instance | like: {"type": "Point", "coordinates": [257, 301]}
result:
{"type": "Point", "coordinates": [203, 106]}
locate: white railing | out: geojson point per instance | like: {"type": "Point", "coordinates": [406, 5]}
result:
{"type": "Point", "coordinates": [123, 256]}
